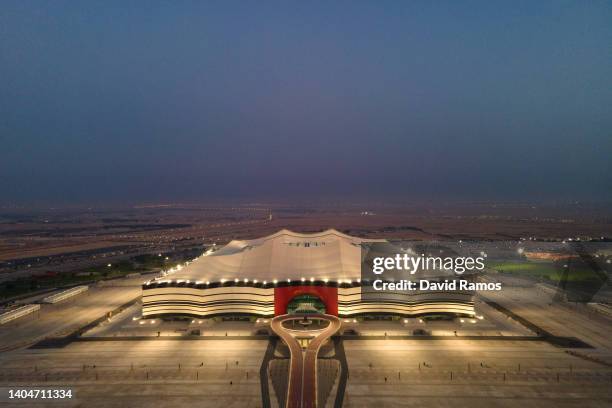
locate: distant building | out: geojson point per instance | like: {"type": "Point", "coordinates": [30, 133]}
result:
{"type": "Point", "coordinates": [548, 256]}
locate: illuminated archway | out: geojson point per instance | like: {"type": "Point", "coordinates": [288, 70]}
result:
{"type": "Point", "coordinates": [327, 294]}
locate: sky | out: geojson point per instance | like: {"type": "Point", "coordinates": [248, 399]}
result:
{"type": "Point", "coordinates": [159, 101]}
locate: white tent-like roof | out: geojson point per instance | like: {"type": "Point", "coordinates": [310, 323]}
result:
{"type": "Point", "coordinates": [284, 255]}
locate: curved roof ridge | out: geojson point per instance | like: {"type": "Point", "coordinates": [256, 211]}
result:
{"type": "Point", "coordinates": [327, 232]}
{"type": "Point", "coordinates": [234, 245]}
{"type": "Point", "coordinates": [285, 231]}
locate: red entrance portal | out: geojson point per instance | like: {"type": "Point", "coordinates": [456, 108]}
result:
{"type": "Point", "coordinates": [327, 294]}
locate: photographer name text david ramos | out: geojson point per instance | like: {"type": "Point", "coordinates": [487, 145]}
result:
{"type": "Point", "coordinates": [426, 285]}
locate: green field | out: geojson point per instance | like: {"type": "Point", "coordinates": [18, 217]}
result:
{"type": "Point", "coordinates": [548, 271]}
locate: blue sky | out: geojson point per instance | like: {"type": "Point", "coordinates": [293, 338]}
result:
{"type": "Point", "coordinates": [170, 101]}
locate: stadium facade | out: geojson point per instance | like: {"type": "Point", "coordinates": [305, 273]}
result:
{"type": "Point", "coordinates": [261, 277]}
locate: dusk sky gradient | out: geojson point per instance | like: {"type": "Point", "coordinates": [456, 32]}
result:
{"type": "Point", "coordinates": [185, 101]}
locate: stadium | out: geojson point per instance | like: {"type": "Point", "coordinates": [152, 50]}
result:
{"type": "Point", "coordinates": [288, 272]}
